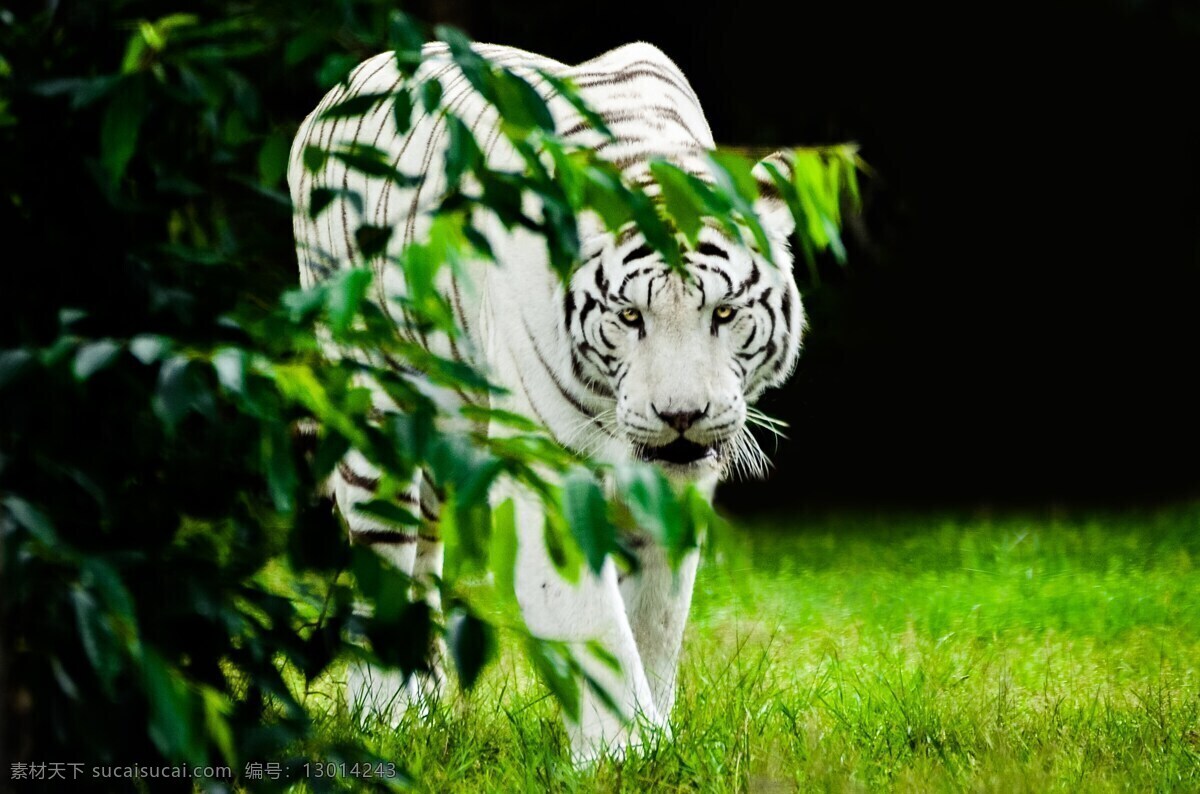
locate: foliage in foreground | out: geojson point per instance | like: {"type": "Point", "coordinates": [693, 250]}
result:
{"type": "Point", "coordinates": [154, 363]}
{"type": "Point", "coordinates": [853, 653]}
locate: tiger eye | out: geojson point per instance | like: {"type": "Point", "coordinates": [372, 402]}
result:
{"type": "Point", "coordinates": [723, 312]}
{"type": "Point", "coordinates": [631, 316]}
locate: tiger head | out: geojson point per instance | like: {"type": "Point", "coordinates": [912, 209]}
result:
{"type": "Point", "coordinates": [683, 356]}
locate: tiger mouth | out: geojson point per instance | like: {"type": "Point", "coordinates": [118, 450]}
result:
{"type": "Point", "coordinates": [679, 452]}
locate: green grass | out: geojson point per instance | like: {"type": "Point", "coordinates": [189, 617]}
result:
{"type": "Point", "coordinates": [910, 654]}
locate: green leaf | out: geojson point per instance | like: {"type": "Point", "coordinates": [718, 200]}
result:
{"type": "Point", "coordinates": [119, 129]}
{"type": "Point", "coordinates": [733, 174]}
{"type": "Point", "coordinates": [501, 418]}
{"type": "Point", "coordinates": [273, 159]}
{"type": "Point", "coordinates": [402, 640]}
{"type": "Point", "coordinates": [587, 513]}
{"type": "Point", "coordinates": [280, 466]}
{"type": "Point", "coordinates": [314, 158]}
{"type": "Point", "coordinates": [236, 129]}
{"type": "Point", "coordinates": [13, 364]}
{"type": "Point", "coordinates": [331, 448]}
{"type": "Point", "coordinates": [481, 245]}
{"type": "Point", "coordinates": [606, 698]}
{"type": "Point", "coordinates": [173, 398]}
{"type": "Point", "coordinates": [93, 357]}
{"type": "Point", "coordinates": [336, 68]}
{"type": "Point", "coordinates": [472, 65]}
{"type": "Point", "coordinates": [217, 709]}
{"type": "Point", "coordinates": [502, 552]}
{"type": "Point", "coordinates": [647, 494]}
{"type": "Point", "coordinates": [63, 679]}
{"type": "Point", "coordinates": [739, 171]}
{"type": "Point", "coordinates": [305, 45]}
{"type": "Point", "coordinates": [388, 513]}
{"type": "Point", "coordinates": [148, 348]}
{"type": "Point", "coordinates": [372, 162]}
{"type": "Point", "coordinates": [568, 173]}
{"type": "Point", "coordinates": [471, 643]}
{"type": "Point", "coordinates": [553, 664]}
{"type": "Point", "coordinates": [402, 109]}
{"type": "Point", "coordinates": [406, 39]}
{"type": "Point", "coordinates": [97, 639]}
{"type": "Point", "coordinates": [603, 655]}
{"type": "Point", "coordinates": [372, 240]}
{"type": "Point", "coordinates": [321, 197]}
{"type": "Point", "coordinates": [462, 151]}
{"type": "Point", "coordinates": [502, 195]}
{"type": "Point", "coordinates": [33, 519]}
{"type": "Point", "coordinates": [304, 304]}
{"type": "Point", "coordinates": [519, 103]}
{"type": "Point", "coordinates": [135, 54]}
{"type": "Point", "coordinates": [152, 35]}
{"type": "Point", "coordinates": [230, 366]}
{"type": "Point", "coordinates": [69, 316]}
{"type": "Point", "coordinates": [172, 725]}
{"type": "Point", "coordinates": [357, 105]}
{"type": "Point", "coordinates": [604, 193]}
{"type": "Point", "coordinates": [98, 575]}
{"type": "Point", "coordinates": [368, 570]}
{"type": "Point", "coordinates": [431, 95]}
{"type": "Point", "coordinates": [345, 294]}
{"type": "Point", "coordinates": [652, 227]}
{"type": "Point", "coordinates": [567, 90]}
{"type": "Point", "coordinates": [564, 553]}
{"type": "Point", "coordinates": [82, 90]}
{"type": "Point", "coordinates": [681, 198]}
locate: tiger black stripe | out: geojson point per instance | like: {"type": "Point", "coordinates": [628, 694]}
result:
{"type": "Point", "coordinates": [577, 371]}
{"type": "Point", "coordinates": [640, 252]}
{"type": "Point", "coordinates": [755, 275]}
{"type": "Point", "coordinates": [628, 233]}
{"type": "Point", "coordinates": [613, 118]}
{"type": "Point", "coordinates": [629, 75]}
{"type": "Point", "coordinates": [630, 277]}
{"type": "Point", "coordinates": [716, 271]}
{"type": "Point", "coordinates": [640, 157]}
{"type": "Point", "coordinates": [381, 537]}
{"type": "Point", "coordinates": [532, 405]}
{"type": "Point", "coordinates": [357, 480]}
{"type": "Point", "coordinates": [570, 398]}
{"type": "Point", "coordinates": [750, 339]}
{"type": "Point", "coordinates": [769, 344]}
{"type": "Point", "coordinates": [601, 281]}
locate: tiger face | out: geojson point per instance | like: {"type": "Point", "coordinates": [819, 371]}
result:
{"type": "Point", "coordinates": [682, 356]}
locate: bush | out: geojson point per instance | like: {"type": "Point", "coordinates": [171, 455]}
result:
{"type": "Point", "coordinates": [156, 363]}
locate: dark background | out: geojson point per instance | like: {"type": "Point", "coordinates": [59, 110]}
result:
{"type": "Point", "coordinates": [1017, 323]}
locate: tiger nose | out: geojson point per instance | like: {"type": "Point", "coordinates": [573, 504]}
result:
{"type": "Point", "coordinates": [681, 420]}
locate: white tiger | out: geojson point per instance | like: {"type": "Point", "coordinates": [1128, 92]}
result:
{"type": "Point", "coordinates": [629, 361]}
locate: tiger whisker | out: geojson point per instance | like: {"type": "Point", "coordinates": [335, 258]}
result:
{"type": "Point", "coordinates": [746, 457]}
{"type": "Point", "coordinates": [770, 424]}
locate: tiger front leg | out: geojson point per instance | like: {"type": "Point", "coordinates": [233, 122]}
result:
{"type": "Point", "coordinates": [590, 610]}
{"type": "Point", "coordinates": [373, 692]}
{"type": "Point", "coordinates": [657, 599]}
{"type": "Point", "coordinates": [380, 693]}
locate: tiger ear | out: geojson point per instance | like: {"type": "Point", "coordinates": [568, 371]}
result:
{"type": "Point", "coordinates": [772, 210]}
